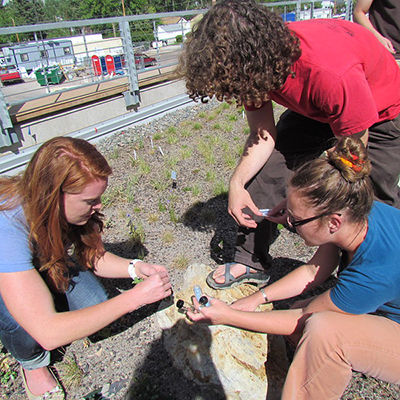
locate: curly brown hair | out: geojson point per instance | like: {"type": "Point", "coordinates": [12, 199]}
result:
{"type": "Point", "coordinates": [239, 50]}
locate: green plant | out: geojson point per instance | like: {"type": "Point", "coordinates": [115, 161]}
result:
{"type": "Point", "coordinates": [186, 133]}
{"type": "Point", "coordinates": [161, 206]}
{"type": "Point", "coordinates": [133, 179]}
{"type": "Point", "coordinates": [228, 127]}
{"type": "Point", "coordinates": [211, 117]}
{"type": "Point", "coordinates": [230, 160]}
{"type": "Point", "coordinates": [153, 217]}
{"type": "Point", "coordinates": [114, 154]}
{"type": "Point", "coordinates": [7, 374]}
{"type": "Point", "coordinates": [232, 117]}
{"type": "Point", "coordinates": [210, 176]}
{"type": "Point", "coordinates": [213, 140]}
{"type": "Point", "coordinates": [136, 232]}
{"type": "Point", "coordinates": [171, 161]}
{"type": "Point", "coordinates": [220, 188]}
{"type": "Point", "coordinates": [196, 189]}
{"type": "Point", "coordinates": [167, 237]}
{"type": "Point", "coordinates": [186, 152]}
{"type": "Point", "coordinates": [197, 126]}
{"type": "Point", "coordinates": [130, 195]}
{"type": "Point", "coordinates": [206, 151]}
{"type": "Point", "coordinates": [171, 129]}
{"type": "Point", "coordinates": [202, 114]}
{"type": "Point", "coordinates": [70, 372]}
{"type": "Point", "coordinates": [181, 261]}
{"type": "Point", "coordinates": [108, 223]}
{"type": "Point", "coordinates": [157, 136]}
{"type": "Point", "coordinates": [172, 214]}
{"type": "Point", "coordinates": [112, 195]}
{"type": "Point", "coordinates": [139, 144]}
{"type": "Point", "coordinates": [143, 167]}
{"type": "Point", "coordinates": [133, 161]}
{"type": "Point", "coordinates": [225, 106]}
{"type": "Point", "coordinates": [217, 125]}
{"type": "Point", "coordinates": [159, 184]}
{"type": "Point", "coordinates": [239, 150]}
{"type": "Point", "coordinates": [171, 135]}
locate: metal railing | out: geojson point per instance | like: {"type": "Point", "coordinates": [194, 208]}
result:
{"type": "Point", "coordinates": [88, 59]}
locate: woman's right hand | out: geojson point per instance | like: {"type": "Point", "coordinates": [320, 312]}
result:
{"type": "Point", "coordinates": [154, 288]}
{"type": "Point", "coordinates": [239, 199]}
{"type": "Point", "coordinates": [278, 214]}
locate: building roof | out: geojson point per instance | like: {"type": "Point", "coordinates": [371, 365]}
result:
{"type": "Point", "coordinates": [172, 20]}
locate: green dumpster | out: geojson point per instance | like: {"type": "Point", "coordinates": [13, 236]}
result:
{"type": "Point", "coordinates": [53, 74]}
{"type": "Point", "coordinates": [40, 77]}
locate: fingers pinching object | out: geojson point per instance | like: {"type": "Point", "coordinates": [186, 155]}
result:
{"type": "Point", "coordinates": [200, 297]}
{"type": "Point", "coordinates": [204, 301]}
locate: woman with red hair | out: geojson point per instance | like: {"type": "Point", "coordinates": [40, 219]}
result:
{"type": "Point", "coordinates": [50, 242]}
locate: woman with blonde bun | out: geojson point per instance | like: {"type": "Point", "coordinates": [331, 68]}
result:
{"type": "Point", "coordinates": [356, 324]}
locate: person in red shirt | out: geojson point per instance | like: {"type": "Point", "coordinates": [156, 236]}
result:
{"type": "Point", "coordinates": [336, 80]}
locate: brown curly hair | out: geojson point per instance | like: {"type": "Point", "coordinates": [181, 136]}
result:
{"type": "Point", "coordinates": [338, 181]}
{"type": "Point", "coordinates": [239, 51]}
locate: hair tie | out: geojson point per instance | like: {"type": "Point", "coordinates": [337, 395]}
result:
{"type": "Point", "coordinates": [354, 157]}
{"type": "Point", "coordinates": [346, 162]}
{"type": "Point", "coordinates": [350, 164]}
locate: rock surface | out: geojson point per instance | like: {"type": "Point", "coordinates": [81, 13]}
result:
{"type": "Point", "coordinates": [229, 359]}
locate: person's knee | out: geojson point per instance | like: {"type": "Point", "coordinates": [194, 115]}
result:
{"type": "Point", "coordinates": [321, 327]}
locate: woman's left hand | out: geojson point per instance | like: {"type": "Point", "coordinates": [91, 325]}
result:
{"type": "Point", "coordinates": [144, 270]}
{"type": "Point", "coordinates": [215, 314]}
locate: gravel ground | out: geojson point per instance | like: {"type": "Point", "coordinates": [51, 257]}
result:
{"type": "Point", "coordinates": [146, 217]}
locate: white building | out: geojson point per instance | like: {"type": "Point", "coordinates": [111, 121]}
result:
{"type": "Point", "coordinates": [171, 28]}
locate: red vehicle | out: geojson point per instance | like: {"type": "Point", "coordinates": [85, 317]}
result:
{"type": "Point", "coordinates": [143, 60]}
{"type": "Point", "coordinates": [10, 75]}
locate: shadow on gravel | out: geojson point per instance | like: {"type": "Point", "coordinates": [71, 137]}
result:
{"type": "Point", "coordinates": [157, 378]}
{"type": "Point", "coordinates": [212, 215]}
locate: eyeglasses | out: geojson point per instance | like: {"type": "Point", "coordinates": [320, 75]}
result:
{"type": "Point", "coordinates": [292, 223]}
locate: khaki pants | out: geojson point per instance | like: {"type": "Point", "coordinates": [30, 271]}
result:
{"type": "Point", "coordinates": [334, 344]}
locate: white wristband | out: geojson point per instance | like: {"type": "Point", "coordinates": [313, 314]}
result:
{"type": "Point", "coordinates": [131, 269]}
{"type": "Point", "coordinates": [264, 295]}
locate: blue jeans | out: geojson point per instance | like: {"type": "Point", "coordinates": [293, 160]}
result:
{"type": "Point", "coordinates": [84, 291]}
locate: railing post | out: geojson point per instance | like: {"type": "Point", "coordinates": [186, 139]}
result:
{"type": "Point", "coordinates": [6, 125]}
{"type": "Point", "coordinates": [349, 10]}
{"type": "Point", "coordinates": [298, 10]}
{"type": "Point", "coordinates": [132, 96]}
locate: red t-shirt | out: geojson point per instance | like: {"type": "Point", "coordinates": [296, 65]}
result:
{"type": "Point", "coordinates": [344, 77]}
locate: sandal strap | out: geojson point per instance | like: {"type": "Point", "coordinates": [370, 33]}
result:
{"type": "Point", "coordinates": [228, 276]}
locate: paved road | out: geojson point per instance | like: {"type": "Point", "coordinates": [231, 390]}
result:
{"type": "Point", "coordinates": [30, 88]}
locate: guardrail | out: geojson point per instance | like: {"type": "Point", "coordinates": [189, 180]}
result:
{"type": "Point", "coordinates": [93, 67]}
